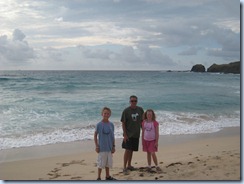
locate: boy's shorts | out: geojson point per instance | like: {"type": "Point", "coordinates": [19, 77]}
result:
{"type": "Point", "coordinates": [131, 144]}
{"type": "Point", "coordinates": [104, 159]}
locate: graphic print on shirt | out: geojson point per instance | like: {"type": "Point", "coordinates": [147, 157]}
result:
{"type": "Point", "coordinates": [134, 116]}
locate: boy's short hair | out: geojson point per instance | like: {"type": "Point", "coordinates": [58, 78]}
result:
{"type": "Point", "coordinates": [106, 108]}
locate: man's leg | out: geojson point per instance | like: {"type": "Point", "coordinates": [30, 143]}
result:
{"type": "Point", "coordinates": [126, 157]}
{"type": "Point", "coordinates": [130, 154]}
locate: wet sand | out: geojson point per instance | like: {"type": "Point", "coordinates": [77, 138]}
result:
{"type": "Point", "coordinates": [214, 156]}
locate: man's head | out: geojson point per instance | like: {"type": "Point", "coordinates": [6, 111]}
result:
{"type": "Point", "coordinates": [133, 101]}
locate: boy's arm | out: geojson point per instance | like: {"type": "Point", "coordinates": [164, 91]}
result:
{"type": "Point", "coordinates": [113, 149]}
{"type": "Point", "coordinates": [96, 142]}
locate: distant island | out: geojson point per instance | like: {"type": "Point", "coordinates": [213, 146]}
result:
{"type": "Point", "coordinates": [233, 67]}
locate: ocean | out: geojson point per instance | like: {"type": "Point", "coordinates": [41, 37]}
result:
{"type": "Point", "coordinates": [48, 107]}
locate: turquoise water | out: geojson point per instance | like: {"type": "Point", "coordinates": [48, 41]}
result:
{"type": "Point", "coordinates": [46, 107]}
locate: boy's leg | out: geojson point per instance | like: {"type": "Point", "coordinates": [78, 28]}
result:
{"type": "Point", "coordinates": [99, 171]}
{"type": "Point", "coordinates": [100, 164]}
{"type": "Point", "coordinates": [107, 172]}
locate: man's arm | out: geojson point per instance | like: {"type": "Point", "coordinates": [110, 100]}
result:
{"type": "Point", "coordinates": [124, 132]}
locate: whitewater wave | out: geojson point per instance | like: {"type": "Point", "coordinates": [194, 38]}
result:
{"type": "Point", "coordinates": [170, 123]}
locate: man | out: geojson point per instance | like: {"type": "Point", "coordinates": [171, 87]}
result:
{"type": "Point", "coordinates": [131, 123]}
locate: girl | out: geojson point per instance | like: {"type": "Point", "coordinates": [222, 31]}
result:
{"type": "Point", "coordinates": [150, 135]}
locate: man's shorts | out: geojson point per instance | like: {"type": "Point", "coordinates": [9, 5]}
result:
{"type": "Point", "coordinates": [131, 144]}
{"type": "Point", "coordinates": [104, 159]}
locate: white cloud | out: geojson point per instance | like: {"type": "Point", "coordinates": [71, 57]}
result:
{"type": "Point", "coordinates": [234, 25]}
{"type": "Point", "coordinates": [59, 19]}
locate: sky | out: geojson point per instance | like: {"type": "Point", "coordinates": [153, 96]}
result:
{"type": "Point", "coordinates": [118, 34]}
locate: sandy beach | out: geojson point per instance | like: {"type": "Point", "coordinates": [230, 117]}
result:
{"type": "Point", "coordinates": [214, 156]}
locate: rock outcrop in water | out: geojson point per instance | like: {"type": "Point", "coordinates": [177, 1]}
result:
{"type": "Point", "coordinates": [198, 68]}
{"type": "Point", "coordinates": [233, 67]}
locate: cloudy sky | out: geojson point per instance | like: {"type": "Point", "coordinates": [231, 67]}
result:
{"type": "Point", "coordinates": [118, 34]}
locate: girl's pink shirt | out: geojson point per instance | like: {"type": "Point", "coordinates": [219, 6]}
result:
{"type": "Point", "coordinates": [149, 130]}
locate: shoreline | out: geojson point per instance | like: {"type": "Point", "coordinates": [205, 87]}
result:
{"type": "Point", "coordinates": [75, 147]}
{"type": "Point", "coordinates": [211, 156]}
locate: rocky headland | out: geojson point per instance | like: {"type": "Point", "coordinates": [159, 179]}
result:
{"type": "Point", "coordinates": [233, 67]}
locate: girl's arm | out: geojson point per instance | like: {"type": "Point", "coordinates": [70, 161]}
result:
{"type": "Point", "coordinates": [142, 129]}
{"type": "Point", "coordinates": [157, 133]}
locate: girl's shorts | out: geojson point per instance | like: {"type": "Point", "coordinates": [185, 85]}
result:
{"type": "Point", "coordinates": [149, 146]}
{"type": "Point", "coordinates": [104, 159]}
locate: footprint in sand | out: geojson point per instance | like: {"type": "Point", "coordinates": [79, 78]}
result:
{"type": "Point", "coordinates": [75, 178]}
{"type": "Point", "coordinates": [56, 176]}
{"type": "Point", "coordinates": [55, 172]}
{"type": "Point", "coordinates": [218, 158]}
{"type": "Point", "coordinates": [172, 164]}
{"type": "Point", "coordinates": [66, 175]}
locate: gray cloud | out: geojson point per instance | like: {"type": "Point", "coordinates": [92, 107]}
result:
{"type": "Point", "coordinates": [147, 34]}
{"type": "Point", "coordinates": [18, 35]}
{"type": "Point", "coordinates": [15, 50]}
{"type": "Point", "coordinates": [229, 44]}
{"type": "Point", "coordinates": [190, 51]}
{"type": "Point", "coordinates": [127, 57]}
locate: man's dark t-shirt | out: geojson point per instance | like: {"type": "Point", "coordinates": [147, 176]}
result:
{"type": "Point", "coordinates": [132, 119]}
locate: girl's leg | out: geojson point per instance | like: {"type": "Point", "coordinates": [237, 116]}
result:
{"type": "Point", "coordinates": [155, 160]}
{"type": "Point", "coordinates": [149, 160]}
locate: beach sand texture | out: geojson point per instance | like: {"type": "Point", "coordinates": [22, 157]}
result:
{"type": "Point", "coordinates": [214, 156]}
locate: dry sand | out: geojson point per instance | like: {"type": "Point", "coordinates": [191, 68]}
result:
{"type": "Point", "coordinates": [214, 156]}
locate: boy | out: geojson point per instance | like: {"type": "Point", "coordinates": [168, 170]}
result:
{"type": "Point", "coordinates": [105, 144]}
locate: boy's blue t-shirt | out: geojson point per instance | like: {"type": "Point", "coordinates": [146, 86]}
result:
{"type": "Point", "coordinates": [105, 133]}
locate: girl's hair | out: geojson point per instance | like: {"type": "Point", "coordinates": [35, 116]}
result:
{"type": "Point", "coordinates": [106, 108]}
{"type": "Point", "coordinates": [153, 114]}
